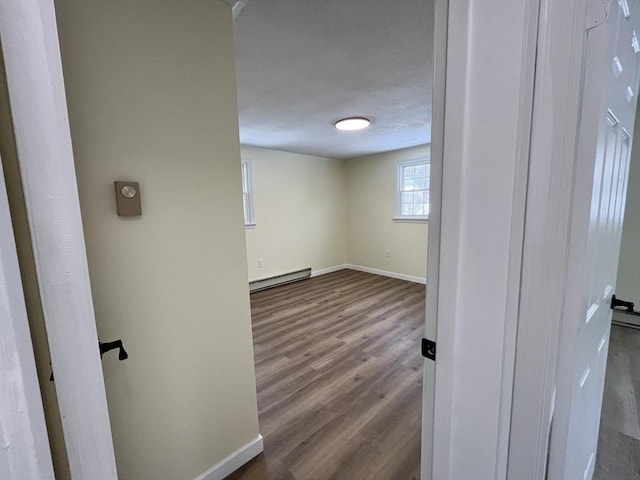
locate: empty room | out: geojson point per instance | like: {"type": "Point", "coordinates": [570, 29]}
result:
{"type": "Point", "coordinates": [220, 137]}
{"type": "Point", "coordinates": [233, 233]}
{"type": "Point", "coordinates": [336, 218]}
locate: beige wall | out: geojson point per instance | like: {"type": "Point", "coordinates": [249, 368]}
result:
{"type": "Point", "coordinates": [322, 213]}
{"type": "Point", "coordinates": [151, 94]}
{"type": "Point", "coordinates": [300, 212]}
{"type": "Point", "coordinates": [628, 285]}
{"type": "Point", "coordinates": [372, 230]}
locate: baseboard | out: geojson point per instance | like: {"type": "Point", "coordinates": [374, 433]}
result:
{"type": "Point", "coordinates": [277, 280]}
{"type": "Point", "coordinates": [234, 461]}
{"type": "Point", "coordinates": [623, 319]}
{"type": "Point", "coordinates": [324, 271]}
{"type": "Point", "coordinates": [399, 276]}
{"type": "Point", "coordinates": [360, 268]}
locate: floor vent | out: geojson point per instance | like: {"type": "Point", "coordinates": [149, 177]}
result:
{"type": "Point", "coordinates": [278, 280]}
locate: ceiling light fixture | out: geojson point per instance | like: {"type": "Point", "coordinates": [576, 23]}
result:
{"type": "Point", "coordinates": [352, 123]}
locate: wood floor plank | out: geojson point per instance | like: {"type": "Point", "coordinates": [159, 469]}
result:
{"type": "Point", "coordinates": [339, 379]}
{"type": "Point", "coordinates": [618, 455]}
{"type": "Point", "coordinates": [619, 405]}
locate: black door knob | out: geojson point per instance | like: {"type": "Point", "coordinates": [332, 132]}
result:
{"type": "Point", "coordinates": [105, 347]}
{"type": "Point", "coordinates": [616, 302]}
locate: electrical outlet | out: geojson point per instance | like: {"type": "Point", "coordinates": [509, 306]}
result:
{"type": "Point", "coordinates": [260, 263]}
{"type": "Point", "coordinates": [387, 253]}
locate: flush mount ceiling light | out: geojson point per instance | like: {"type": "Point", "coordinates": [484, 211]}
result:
{"type": "Point", "coordinates": [352, 123]}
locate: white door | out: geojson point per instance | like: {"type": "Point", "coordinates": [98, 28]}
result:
{"type": "Point", "coordinates": [35, 88]}
{"type": "Point", "coordinates": [609, 107]}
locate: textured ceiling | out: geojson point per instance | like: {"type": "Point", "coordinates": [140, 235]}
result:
{"type": "Point", "coordinates": [303, 64]}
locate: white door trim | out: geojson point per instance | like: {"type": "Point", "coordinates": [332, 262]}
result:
{"type": "Point", "coordinates": [490, 64]}
{"type": "Point", "coordinates": [24, 446]}
{"type": "Point", "coordinates": [440, 19]}
{"type": "Point", "coordinates": [29, 39]}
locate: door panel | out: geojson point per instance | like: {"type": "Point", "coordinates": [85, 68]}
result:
{"type": "Point", "coordinates": [580, 396]}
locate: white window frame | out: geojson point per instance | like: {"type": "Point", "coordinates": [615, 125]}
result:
{"type": "Point", "coordinates": [247, 194]}
{"type": "Point", "coordinates": [398, 216]}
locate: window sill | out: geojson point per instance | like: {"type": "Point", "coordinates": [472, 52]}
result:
{"type": "Point", "coordinates": [250, 225]}
{"type": "Point", "coordinates": [411, 219]}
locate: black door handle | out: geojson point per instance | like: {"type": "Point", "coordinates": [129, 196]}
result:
{"type": "Point", "coordinates": [105, 347]}
{"type": "Point", "coordinates": [616, 302]}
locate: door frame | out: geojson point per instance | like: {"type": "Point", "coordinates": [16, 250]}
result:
{"type": "Point", "coordinates": [25, 452]}
{"type": "Point", "coordinates": [440, 19]}
{"type": "Point", "coordinates": [476, 243]}
{"type": "Point", "coordinates": [34, 81]}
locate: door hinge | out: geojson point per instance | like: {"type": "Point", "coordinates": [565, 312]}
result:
{"type": "Point", "coordinates": [429, 349]}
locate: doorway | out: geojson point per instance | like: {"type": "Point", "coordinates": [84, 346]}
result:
{"type": "Point", "coordinates": [350, 206]}
{"type": "Point", "coordinates": [485, 141]}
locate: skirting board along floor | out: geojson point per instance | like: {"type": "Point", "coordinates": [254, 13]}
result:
{"type": "Point", "coordinates": [625, 319]}
{"type": "Point", "coordinates": [234, 461]}
{"type": "Point", "coordinates": [324, 271]}
{"type": "Point", "coordinates": [375, 271]}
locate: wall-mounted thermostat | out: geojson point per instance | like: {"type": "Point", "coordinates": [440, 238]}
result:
{"type": "Point", "coordinates": [128, 199]}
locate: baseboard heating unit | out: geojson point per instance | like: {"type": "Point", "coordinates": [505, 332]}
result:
{"type": "Point", "coordinates": [624, 319]}
{"type": "Point", "coordinates": [278, 280]}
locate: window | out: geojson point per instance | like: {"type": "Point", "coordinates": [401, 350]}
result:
{"type": "Point", "coordinates": [412, 190]}
{"type": "Point", "coordinates": [247, 194]}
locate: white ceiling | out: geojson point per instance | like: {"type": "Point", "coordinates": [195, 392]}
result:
{"type": "Point", "coordinates": [303, 64]}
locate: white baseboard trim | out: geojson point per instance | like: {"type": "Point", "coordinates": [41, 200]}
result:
{"type": "Point", "coordinates": [277, 280]}
{"type": "Point", "coordinates": [399, 276]}
{"type": "Point", "coordinates": [227, 466]}
{"type": "Point", "coordinates": [324, 271]}
{"type": "Point", "coordinates": [360, 268]}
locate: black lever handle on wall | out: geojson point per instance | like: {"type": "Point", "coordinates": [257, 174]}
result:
{"type": "Point", "coordinates": [616, 302]}
{"type": "Point", "coordinates": [105, 347]}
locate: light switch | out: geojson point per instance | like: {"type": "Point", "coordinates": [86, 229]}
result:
{"type": "Point", "coordinates": [128, 199]}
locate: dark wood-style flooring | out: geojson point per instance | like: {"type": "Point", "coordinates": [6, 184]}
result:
{"type": "Point", "coordinates": [339, 379]}
{"type": "Point", "coordinates": [618, 456]}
